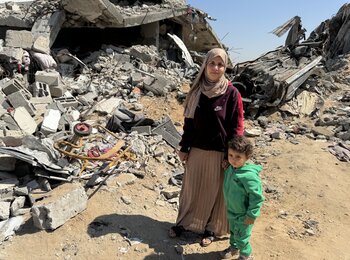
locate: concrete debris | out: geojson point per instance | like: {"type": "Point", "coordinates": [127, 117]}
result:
{"type": "Point", "coordinates": [9, 226]}
{"type": "Point", "coordinates": [61, 204]}
{"type": "Point", "coordinates": [272, 80]}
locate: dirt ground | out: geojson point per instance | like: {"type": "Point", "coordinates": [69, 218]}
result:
{"type": "Point", "coordinates": [305, 215]}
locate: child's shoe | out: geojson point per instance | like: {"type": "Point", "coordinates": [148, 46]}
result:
{"type": "Point", "coordinates": [229, 252]}
{"type": "Point", "coordinates": [244, 257]}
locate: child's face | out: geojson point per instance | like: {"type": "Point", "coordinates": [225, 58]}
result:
{"type": "Point", "coordinates": [236, 159]}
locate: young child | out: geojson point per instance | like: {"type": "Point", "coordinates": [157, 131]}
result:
{"type": "Point", "coordinates": [243, 197]}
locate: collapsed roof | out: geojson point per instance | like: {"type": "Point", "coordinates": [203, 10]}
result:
{"type": "Point", "coordinates": [139, 22]}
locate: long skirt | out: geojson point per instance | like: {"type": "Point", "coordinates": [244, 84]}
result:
{"type": "Point", "coordinates": [202, 205]}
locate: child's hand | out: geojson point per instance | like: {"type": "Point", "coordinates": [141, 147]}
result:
{"type": "Point", "coordinates": [225, 164]}
{"type": "Point", "coordinates": [183, 156]}
{"type": "Point", "coordinates": [249, 221]}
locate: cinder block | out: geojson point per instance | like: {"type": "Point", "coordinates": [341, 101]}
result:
{"type": "Point", "coordinates": [67, 101]}
{"type": "Point", "coordinates": [22, 99]}
{"type": "Point", "coordinates": [58, 91]}
{"type": "Point", "coordinates": [41, 89]}
{"type": "Point", "coordinates": [11, 86]}
{"type": "Point", "coordinates": [52, 78]}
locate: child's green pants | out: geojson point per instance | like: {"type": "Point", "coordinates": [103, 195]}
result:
{"type": "Point", "coordinates": [240, 236]}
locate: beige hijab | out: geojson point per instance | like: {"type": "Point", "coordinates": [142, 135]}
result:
{"type": "Point", "coordinates": [201, 83]}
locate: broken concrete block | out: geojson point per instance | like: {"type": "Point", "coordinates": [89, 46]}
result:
{"type": "Point", "coordinates": [136, 78]}
{"type": "Point", "coordinates": [67, 101]}
{"type": "Point", "coordinates": [10, 86]}
{"type": "Point", "coordinates": [58, 91]}
{"type": "Point", "coordinates": [4, 210]}
{"type": "Point", "coordinates": [160, 86]}
{"type": "Point", "coordinates": [21, 39]}
{"type": "Point", "coordinates": [41, 93]}
{"type": "Point", "coordinates": [87, 99]}
{"type": "Point", "coordinates": [12, 53]}
{"type": "Point", "coordinates": [108, 106]}
{"type": "Point", "coordinates": [25, 122]}
{"type": "Point", "coordinates": [142, 129]}
{"type": "Point", "coordinates": [121, 58]}
{"type": "Point", "coordinates": [41, 44]}
{"type": "Point", "coordinates": [17, 204]}
{"type": "Point", "coordinates": [7, 163]}
{"type": "Point", "coordinates": [139, 52]}
{"type": "Point", "coordinates": [50, 123]}
{"type": "Point", "coordinates": [168, 131]}
{"type": "Point", "coordinates": [21, 99]}
{"type": "Point", "coordinates": [41, 89]}
{"type": "Point", "coordinates": [52, 78]}
{"type": "Point", "coordinates": [61, 204]}
{"type": "Point", "coordinates": [9, 226]}
{"type": "Point", "coordinates": [21, 191]}
{"type": "Point", "coordinates": [6, 188]}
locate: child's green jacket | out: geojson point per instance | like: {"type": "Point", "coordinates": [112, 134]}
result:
{"type": "Point", "coordinates": [243, 191]}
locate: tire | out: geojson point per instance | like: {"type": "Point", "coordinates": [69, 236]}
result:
{"type": "Point", "coordinates": [82, 129]}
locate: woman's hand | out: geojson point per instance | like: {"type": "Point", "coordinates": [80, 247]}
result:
{"type": "Point", "coordinates": [182, 155]}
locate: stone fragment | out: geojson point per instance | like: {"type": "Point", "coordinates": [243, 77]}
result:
{"type": "Point", "coordinates": [61, 204]}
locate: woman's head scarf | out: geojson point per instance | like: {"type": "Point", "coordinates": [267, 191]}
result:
{"type": "Point", "coordinates": [202, 84]}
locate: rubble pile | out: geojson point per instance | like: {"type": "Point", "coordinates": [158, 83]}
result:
{"type": "Point", "coordinates": [297, 79]}
{"type": "Point", "coordinates": [25, 14]}
{"type": "Point", "coordinates": [46, 94]}
{"type": "Point", "coordinates": [141, 7]}
{"type": "Point", "coordinates": [70, 120]}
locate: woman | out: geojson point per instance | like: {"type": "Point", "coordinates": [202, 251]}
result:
{"type": "Point", "coordinates": [213, 115]}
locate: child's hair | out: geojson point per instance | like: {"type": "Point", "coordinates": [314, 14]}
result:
{"type": "Point", "coordinates": [241, 144]}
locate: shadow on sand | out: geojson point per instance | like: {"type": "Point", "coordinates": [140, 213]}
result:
{"type": "Point", "coordinates": [152, 232]}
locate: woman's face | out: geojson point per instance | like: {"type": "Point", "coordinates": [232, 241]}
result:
{"type": "Point", "coordinates": [215, 69]}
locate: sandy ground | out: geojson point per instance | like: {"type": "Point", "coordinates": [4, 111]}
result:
{"type": "Point", "coordinates": [305, 215]}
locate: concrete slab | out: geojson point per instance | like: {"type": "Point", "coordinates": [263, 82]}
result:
{"type": "Point", "coordinates": [61, 204]}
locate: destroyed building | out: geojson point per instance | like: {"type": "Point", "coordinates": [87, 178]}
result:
{"type": "Point", "coordinates": [127, 23]}
{"type": "Point", "coordinates": [277, 77]}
